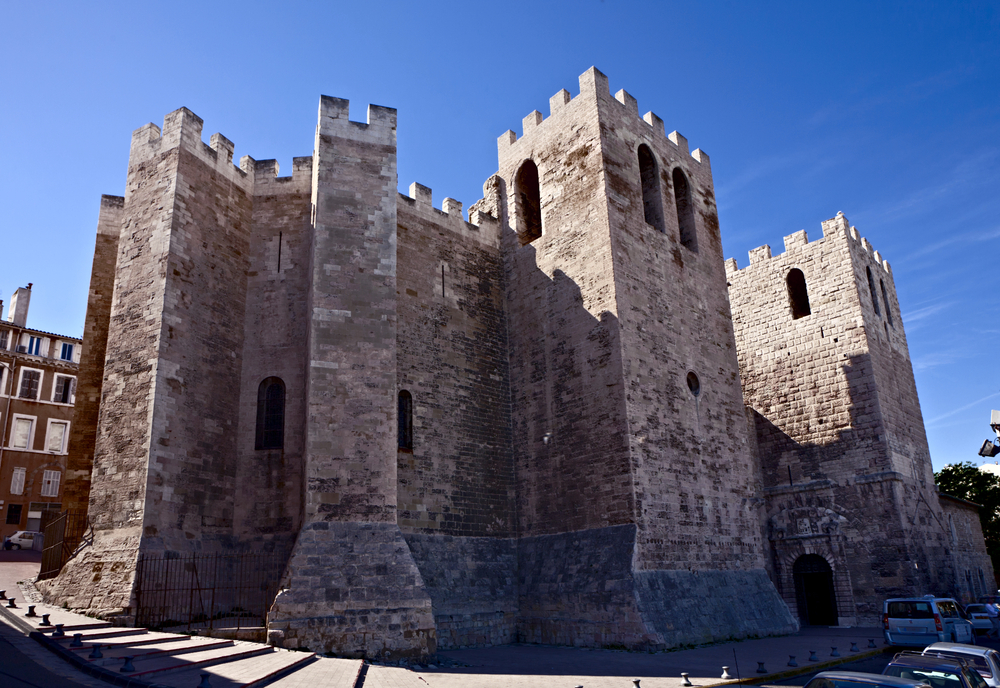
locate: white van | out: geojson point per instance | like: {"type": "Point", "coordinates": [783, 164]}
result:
{"type": "Point", "coordinates": [920, 621]}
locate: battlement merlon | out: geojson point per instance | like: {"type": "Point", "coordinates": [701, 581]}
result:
{"type": "Point", "coordinates": [334, 121]}
{"type": "Point", "coordinates": [183, 128]}
{"type": "Point", "coordinates": [593, 86]}
{"type": "Point", "coordinates": [834, 227]}
{"type": "Point", "coordinates": [481, 226]}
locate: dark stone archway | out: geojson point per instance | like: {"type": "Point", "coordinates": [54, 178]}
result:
{"type": "Point", "coordinates": [814, 592]}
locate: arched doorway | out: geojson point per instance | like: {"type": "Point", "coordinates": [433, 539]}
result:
{"type": "Point", "coordinates": [814, 591]}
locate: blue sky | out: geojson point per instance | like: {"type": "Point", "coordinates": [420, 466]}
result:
{"type": "Point", "coordinates": [889, 112]}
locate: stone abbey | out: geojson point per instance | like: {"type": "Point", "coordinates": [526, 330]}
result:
{"type": "Point", "coordinates": [567, 419]}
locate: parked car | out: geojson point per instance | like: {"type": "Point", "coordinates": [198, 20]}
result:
{"type": "Point", "coordinates": [920, 621]}
{"type": "Point", "coordinates": [24, 539]}
{"type": "Point", "coordinates": [937, 671]}
{"type": "Point", "coordinates": [856, 679]}
{"type": "Point", "coordinates": [984, 660]}
{"type": "Point", "coordinates": [979, 618]}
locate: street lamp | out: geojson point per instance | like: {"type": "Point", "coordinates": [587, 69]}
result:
{"type": "Point", "coordinates": [991, 448]}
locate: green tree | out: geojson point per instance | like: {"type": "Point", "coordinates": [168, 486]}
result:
{"type": "Point", "coordinates": [966, 481]}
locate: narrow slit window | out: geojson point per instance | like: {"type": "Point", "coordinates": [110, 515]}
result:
{"type": "Point", "coordinates": [798, 296]}
{"type": "Point", "coordinates": [685, 210]}
{"type": "Point", "coordinates": [271, 414]}
{"type": "Point", "coordinates": [885, 300]}
{"type": "Point", "coordinates": [529, 202]}
{"type": "Point", "coordinates": [405, 433]}
{"type": "Point", "coordinates": [871, 290]}
{"type": "Point", "coordinates": [652, 203]}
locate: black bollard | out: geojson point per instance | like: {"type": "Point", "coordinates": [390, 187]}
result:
{"type": "Point", "coordinates": [871, 642]}
{"type": "Point", "coordinates": [127, 666]}
{"type": "Point", "coordinates": [10, 603]}
{"type": "Point", "coordinates": [3, 594]}
{"type": "Point", "coordinates": [760, 668]}
{"type": "Point", "coordinates": [833, 652]}
{"type": "Point", "coordinates": [95, 653]}
{"type": "Point", "coordinates": [77, 640]}
{"type": "Point", "coordinates": [59, 632]}
{"type": "Point", "coordinates": [687, 679]}
{"type": "Point", "coordinates": [791, 661]}
{"type": "Point", "coordinates": [204, 681]}
{"type": "Point", "coordinates": [812, 656]}
{"type": "Point", "coordinates": [854, 647]}
{"type": "Point", "coordinates": [45, 620]}
{"type": "Point", "coordinates": [31, 610]}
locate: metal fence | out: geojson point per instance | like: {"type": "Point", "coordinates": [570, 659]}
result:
{"type": "Point", "coordinates": [206, 591]}
{"type": "Point", "coordinates": [63, 535]}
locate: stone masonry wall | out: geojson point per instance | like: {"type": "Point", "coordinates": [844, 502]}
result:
{"type": "Point", "coordinates": [456, 484]}
{"type": "Point", "coordinates": [83, 431]}
{"type": "Point", "coordinates": [269, 509]}
{"type": "Point", "coordinates": [373, 601]}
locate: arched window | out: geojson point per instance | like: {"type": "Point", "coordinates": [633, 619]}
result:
{"type": "Point", "coordinates": [405, 415]}
{"type": "Point", "coordinates": [529, 202]}
{"type": "Point", "coordinates": [271, 414]}
{"type": "Point", "coordinates": [885, 300]}
{"type": "Point", "coordinates": [652, 203]}
{"type": "Point", "coordinates": [871, 290]}
{"type": "Point", "coordinates": [798, 296]}
{"type": "Point", "coordinates": [685, 210]}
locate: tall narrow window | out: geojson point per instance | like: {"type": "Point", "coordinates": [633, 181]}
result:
{"type": "Point", "coordinates": [30, 382]}
{"type": "Point", "coordinates": [20, 437]}
{"type": "Point", "coordinates": [271, 414]}
{"type": "Point", "coordinates": [871, 290]}
{"type": "Point", "coordinates": [35, 345]}
{"type": "Point", "coordinates": [529, 202]}
{"type": "Point", "coordinates": [885, 300]}
{"type": "Point", "coordinates": [14, 514]}
{"type": "Point", "coordinates": [405, 415]}
{"type": "Point", "coordinates": [63, 389]}
{"type": "Point", "coordinates": [652, 204]}
{"type": "Point", "coordinates": [798, 297]}
{"type": "Point", "coordinates": [55, 442]}
{"type": "Point", "coordinates": [67, 352]}
{"type": "Point", "coordinates": [3, 339]}
{"type": "Point", "coordinates": [685, 210]}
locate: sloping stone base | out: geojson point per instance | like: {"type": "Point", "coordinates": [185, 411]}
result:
{"type": "Point", "coordinates": [354, 589]}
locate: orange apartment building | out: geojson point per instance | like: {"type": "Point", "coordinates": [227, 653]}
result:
{"type": "Point", "coordinates": [38, 373]}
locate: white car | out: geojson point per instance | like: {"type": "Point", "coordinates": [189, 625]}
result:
{"type": "Point", "coordinates": [24, 539]}
{"type": "Point", "coordinates": [979, 618]}
{"type": "Point", "coordinates": [918, 621]}
{"type": "Point", "coordinates": [984, 660]}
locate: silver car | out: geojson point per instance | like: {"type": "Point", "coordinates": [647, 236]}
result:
{"type": "Point", "coordinates": [919, 621]}
{"type": "Point", "coordinates": [984, 660]}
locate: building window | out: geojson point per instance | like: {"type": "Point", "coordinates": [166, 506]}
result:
{"type": "Point", "coordinates": [798, 296]}
{"type": "Point", "coordinates": [871, 291]}
{"type": "Point", "coordinates": [652, 199]}
{"type": "Point", "coordinates": [17, 482]}
{"type": "Point", "coordinates": [529, 202]}
{"type": "Point", "coordinates": [694, 384]}
{"type": "Point", "coordinates": [31, 380]}
{"type": "Point", "coordinates": [4, 334]}
{"type": "Point", "coordinates": [67, 352]}
{"type": "Point", "coordinates": [885, 300]}
{"type": "Point", "coordinates": [685, 210]}
{"type": "Point", "coordinates": [34, 345]}
{"type": "Point", "coordinates": [404, 436]}
{"type": "Point", "coordinates": [63, 389]}
{"type": "Point", "coordinates": [22, 432]}
{"type": "Point", "coordinates": [50, 483]}
{"type": "Point", "coordinates": [271, 414]}
{"type": "Point", "coordinates": [14, 514]}
{"type": "Point", "coordinates": [55, 442]}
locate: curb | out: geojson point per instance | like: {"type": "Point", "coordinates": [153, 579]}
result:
{"type": "Point", "coordinates": [798, 671]}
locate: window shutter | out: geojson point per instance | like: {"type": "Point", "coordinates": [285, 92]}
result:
{"type": "Point", "coordinates": [50, 483]}
{"type": "Point", "coordinates": [17, 481]}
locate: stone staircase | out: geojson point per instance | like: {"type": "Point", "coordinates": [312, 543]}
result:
{"type": "Point", "coordinates": [143, 658]}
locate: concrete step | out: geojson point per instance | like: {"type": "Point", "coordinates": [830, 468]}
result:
{"type": "Point", "coordinates": [91, 634]}
{"type": "Point", "coordinates": [325, 672]}
{"type": "Point", "coordinates": [113, 655]}
{"type": "Point", "coordinates": [130, 640]}
{"type": "Point", "coordinates": [144, 666]}
{"type": "Point", "coordinates": [250, 672]}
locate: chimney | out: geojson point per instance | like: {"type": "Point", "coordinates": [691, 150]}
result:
{"type": "Point", "coordinates": [18, 313]}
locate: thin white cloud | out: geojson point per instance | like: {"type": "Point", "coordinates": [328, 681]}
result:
{"type": "Point", "coordinates": [962, 408]}
{"type": "Point", "coordinates": [913, 316]}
